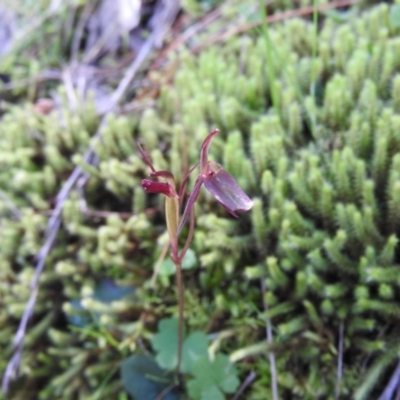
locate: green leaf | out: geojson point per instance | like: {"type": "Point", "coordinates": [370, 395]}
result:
{"type": "Point", "coordinates": [143, 379]}
{"type": "Point", "coordinates": [167, 267]}
{"type": "Point", "coordinates": [165, 343]}
{"type": "Point", "coordinates": [188, 262]}
{"type": "Point", "coordinates": [194, 347]}
{"type": "Point", "coordinates": [212, 393]}
{"type": "Point", "coordinates": [394, 16]}
{"type": "Point", "coordinates": [213, 377]}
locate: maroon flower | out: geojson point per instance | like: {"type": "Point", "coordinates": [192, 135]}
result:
{"type": "Point", "coordinates": [158, 187]}
{"type": "Point", "coordinates": [171, 202]}
{"type": "Point", "coordinates": [219, 183]}
{"type": "Point", "coordinates": [215, 179]}
{"type": "Point", "coordinates": [167, 188]}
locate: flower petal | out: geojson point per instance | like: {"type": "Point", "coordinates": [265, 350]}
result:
{"type": "Point", "coordinates": [158, 187]}
{"type": "Point", "coordinates": [226, 190]}
{"type": "Point", "coordinates": [165, 175]}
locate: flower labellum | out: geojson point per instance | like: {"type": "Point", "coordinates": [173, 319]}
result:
{"type": "Point", "coordinates": [225, 189]}
{"type": "Point", "coordinates": [172, 199]}
{"type": "Point", "coordinates": [166, 188]}
{"type": "Point", "coordinates": [158, 187]}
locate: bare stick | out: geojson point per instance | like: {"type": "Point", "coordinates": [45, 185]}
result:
{"type": "Point", "coordinates": [393, 384]}
{"type": "Point", "coordinates": [248, 381]}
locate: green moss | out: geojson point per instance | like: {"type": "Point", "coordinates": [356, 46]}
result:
{"type": "Point", "coordinates": [323, 167]}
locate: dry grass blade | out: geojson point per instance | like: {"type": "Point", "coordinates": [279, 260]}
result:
{"type": "Point", "coordinates": [301, 12]}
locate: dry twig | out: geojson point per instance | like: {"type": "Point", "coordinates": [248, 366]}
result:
{"type": "Point", "coordinates": [247, 382]}
{"type": "Point", "coordinates": [393, 384]}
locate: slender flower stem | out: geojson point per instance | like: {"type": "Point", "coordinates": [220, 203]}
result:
{"type": "Point", "coordinates": [181, 304]}
{"type": "Point", "coordinates": [219, 183]}
{"type": "Point", "coordinates": [177, 259]}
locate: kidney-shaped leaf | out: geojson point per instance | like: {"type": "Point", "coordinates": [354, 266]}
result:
{"type": "Point", "coordinates": [165, 343]}
{"type": "Point", "coordinates": [188, 262]}
{"type": "Point", "coordinates": [143, 379]}
{"type": "Point", "coordinates": [194, 347]}
{"type": "Point", "coordinates": [217, 376]}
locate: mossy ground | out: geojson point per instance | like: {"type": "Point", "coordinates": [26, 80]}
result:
{"type": "Point", "coordinates": [310, 128]}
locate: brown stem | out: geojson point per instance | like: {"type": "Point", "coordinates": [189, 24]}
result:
{"type": "Point", "coordinates": [179, 283]}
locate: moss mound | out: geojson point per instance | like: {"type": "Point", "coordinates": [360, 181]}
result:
{"type": "Point", "coordinates": [310, 128]}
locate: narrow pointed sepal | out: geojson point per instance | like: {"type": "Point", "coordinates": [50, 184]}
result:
{"type": "Point", "coordinates": [190, 203]}
{"type": "Point", "coordinates": [204, 148]}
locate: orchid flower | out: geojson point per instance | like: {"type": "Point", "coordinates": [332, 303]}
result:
{"type": "Point", "coordinates": [219, 183]}
{"type": "Point", "coordinates": [215, 179]}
